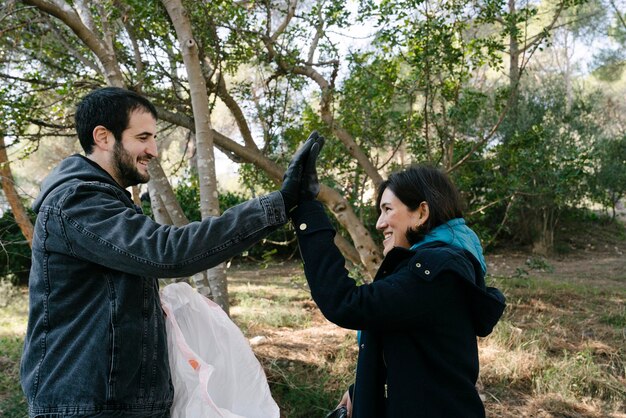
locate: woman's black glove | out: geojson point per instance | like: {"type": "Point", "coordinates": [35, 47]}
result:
{"type": "Point", "coordinates": [310, 186]}
{"type": "Point", "coordinates": [292, 179]}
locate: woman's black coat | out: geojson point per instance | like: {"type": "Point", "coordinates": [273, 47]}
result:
{"type": "Point", "coordinates": [418, 354]}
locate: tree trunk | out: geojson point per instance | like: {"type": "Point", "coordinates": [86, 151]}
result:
{"type": "Point", "coordinates": [567, 74]}
{"type": "Point", "coordinates": [369, 253]}
{"type": "Point", "coordinates": [8, 187]}
{"type": "Point", "coordinates": [514, 59]}
{"type": "Point", "coordinates": [167, 211]}
{"type": "Point", "coordinates": [547, 220]}
{"type": "Point", "coordinates": [209, 203]}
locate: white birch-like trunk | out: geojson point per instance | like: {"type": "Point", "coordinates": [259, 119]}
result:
{"type": "Point", "coordinates": [209, 203]}
{"type": "Point", "coordinates": [167, 211]}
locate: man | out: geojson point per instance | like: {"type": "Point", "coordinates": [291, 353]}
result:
{"type": "Point", "coordinates": [96, 343]}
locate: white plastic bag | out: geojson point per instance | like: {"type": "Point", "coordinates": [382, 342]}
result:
{"type": "Point", "coordinates": [214, 371]}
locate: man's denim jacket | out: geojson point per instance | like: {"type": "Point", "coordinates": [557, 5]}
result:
{"type": "Point", "coordinates": [96, 338]}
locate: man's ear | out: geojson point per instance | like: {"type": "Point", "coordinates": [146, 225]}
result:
{"type": "Point", "coordinates": [102, 138]}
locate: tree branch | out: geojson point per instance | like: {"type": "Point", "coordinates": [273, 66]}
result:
{"type": "Point", "coordinates": [68, 16]}
{"type": "Point", "coordinates": [619, 15]}
{"type": "Point", "coordinates": [291, 11]}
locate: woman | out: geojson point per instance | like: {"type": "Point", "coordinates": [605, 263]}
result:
{"type": "Point", "coordinates": [419, 318]}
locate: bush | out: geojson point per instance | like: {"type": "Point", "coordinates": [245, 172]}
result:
{"type": "Point", "coordinates": [280, 243]}
{"type": "Point", "coordinates": [14, 251]}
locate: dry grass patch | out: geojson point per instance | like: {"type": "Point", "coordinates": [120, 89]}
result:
{"type": "Point", "coordinates": [558, 352]}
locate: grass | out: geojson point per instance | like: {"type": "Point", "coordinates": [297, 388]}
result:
{"type": "Point", "coordinates": [13, 311]}
{"type": "Point", "coordinates": [266, 305]}
{"type": "Point", "coordinates": [304, 390]}
{"type": "Point", "coordinates": [306, 369]}
{"type": "Point", "coordinates": [559, 350]}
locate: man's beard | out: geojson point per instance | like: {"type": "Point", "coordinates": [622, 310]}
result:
{"type": "Point", "coordinates": [126, 167]}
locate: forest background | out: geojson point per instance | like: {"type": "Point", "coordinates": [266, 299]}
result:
{"type": "Point", "coordinates": [522, 102]}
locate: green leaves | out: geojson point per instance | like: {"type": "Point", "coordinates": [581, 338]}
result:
{"type": "Point", "coordinates": [15, 251]}
{"type": "Point", "coordinates": [545, 157]}
{"type": "Point", "coordinates": [608, 183]}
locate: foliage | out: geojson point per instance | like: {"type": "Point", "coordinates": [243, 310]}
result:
{"type": "Point", "coordinates": [14, 250]}
{"type": "Point", "coordinates": [609, 179]}
{"type": "Point", "coordinates": [437, 49]}
{"type": "Point", "coordinates": [610, 60]}
{"type": "Point", "coordinates": [609, 64]}
{"type": "Point", "coordinates": [543, 161]}
{"type": "Point", "coordinates": [37, 76]}
{"type": "Point", "coordinates": [280, 243]}
{"type": "Point", "coordinates": [374, 109]}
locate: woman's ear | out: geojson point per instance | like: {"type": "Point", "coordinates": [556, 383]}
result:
{"type": "Point", "coordinates": [102, 138]}
{"type": "Point", "coordinates": [423, 212]}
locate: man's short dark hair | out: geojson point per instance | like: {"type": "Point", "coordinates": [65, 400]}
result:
{"type": "Point", "coordinates": [110, 107]}
{"type": "Point", "coordinates": [423, 183]}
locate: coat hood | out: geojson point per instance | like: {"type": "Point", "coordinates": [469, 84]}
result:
{"type": "Point", "coordinates": [486, 303]}
{"type": "Point", "coordinates": [456, 233]}
{"type": "Point", "coordinates": [69, 171]}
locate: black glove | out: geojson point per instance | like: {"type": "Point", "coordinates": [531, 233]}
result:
{"type": "Point", "coordinates": [293, 176]}
{"type": "Point", "coordinates": [340, 412]}
{"type": "Point", "coordinates": [310, 186]}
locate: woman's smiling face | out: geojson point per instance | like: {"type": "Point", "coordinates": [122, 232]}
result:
{"type": "Point", "coordinates": [394, 221]}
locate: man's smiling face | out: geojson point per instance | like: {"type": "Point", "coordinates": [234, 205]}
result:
{"type": "Point", "coordinates": [137, 147]}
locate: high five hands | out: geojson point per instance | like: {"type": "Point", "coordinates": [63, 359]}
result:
{"type": "Point", "coordinates": [300, 181]}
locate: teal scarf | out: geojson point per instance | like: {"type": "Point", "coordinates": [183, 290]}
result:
{"type": "Point", "coordinates": [456, 233]}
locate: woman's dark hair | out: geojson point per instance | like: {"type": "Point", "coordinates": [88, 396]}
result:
{"type": "Point", "coordinates": [110, 107]}
{"type": "Point", "coordinates": [422, 183]}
